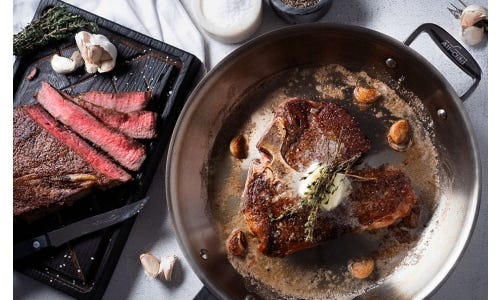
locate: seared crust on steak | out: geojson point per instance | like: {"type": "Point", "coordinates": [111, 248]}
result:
{"type": "Point", "coordinates": [313, 131]}
{"type": "Point", "coordinates": [304, 132]}
{"type": "Point", "coordinates": [49, 174]}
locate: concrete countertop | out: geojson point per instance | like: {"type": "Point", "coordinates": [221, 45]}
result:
{"type": "Point", "coordinates": [153, 231]}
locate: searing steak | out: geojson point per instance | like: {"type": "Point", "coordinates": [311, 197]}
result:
{"type": "Point", "coordinates": [53, 166]}
{"type": "Point", "coordinates": [125, 150]}
{"type": "Point", "coordinates": [305, 134]}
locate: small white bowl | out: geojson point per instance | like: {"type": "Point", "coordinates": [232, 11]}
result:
{"type": "Point", "coordinates": [229, 33]}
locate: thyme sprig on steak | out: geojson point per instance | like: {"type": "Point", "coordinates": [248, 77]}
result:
{"type": "Point", "coordinates": [318, 191]}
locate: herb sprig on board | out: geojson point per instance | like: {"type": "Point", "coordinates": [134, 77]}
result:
{"type": "Point", "coordinates": [55, 24]}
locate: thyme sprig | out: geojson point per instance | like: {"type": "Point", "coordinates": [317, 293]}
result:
{"type": "Point", "coordinates": [318, 191]}
{"type": "Point", "coordinates": [55, 24]}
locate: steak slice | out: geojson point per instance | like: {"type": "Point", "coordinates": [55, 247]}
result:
{"type": "Point", "coordinates": [128, 152]}
{"type": "Point", "coordinates": [53, 167]}
{"type": "Point", "coordinates": [304, 133]}
{"type": "Point", "coordinates": [122, 102]}
{"type": "Point", "coordinates": [137, 124]}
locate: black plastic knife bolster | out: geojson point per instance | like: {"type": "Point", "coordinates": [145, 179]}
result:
{"type": "Point", "coordinates": [31, 246]}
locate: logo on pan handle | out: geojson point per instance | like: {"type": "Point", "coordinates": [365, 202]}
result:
{"type": "Point", "coordinates": [454, 50]}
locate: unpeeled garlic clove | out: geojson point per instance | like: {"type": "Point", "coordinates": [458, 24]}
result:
{"type": "Point", "coordinates": [151, 264]}
{"type": "Point", "coordinates": [64, 65]}
{"type": "Point", "coordinates": [167, 266]}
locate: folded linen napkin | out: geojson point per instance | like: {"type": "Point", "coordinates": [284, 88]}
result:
{"type": "Point", "coordinates": [164, 20]}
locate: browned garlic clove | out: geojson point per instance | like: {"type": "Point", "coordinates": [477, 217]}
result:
{"type": "Point", "coordinates": [366, 95]}
{"type": "Point", "coordinates": [398, 136]}
{"type": "Point", "coordinates": [361, 268]}
{"type": "Point", "coordinates": [236, 244]}
{"type": "Point", "coordinates": [238, 147]}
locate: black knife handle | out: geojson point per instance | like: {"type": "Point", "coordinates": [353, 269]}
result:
{"type": "Point", "coordinates": [31, 246]}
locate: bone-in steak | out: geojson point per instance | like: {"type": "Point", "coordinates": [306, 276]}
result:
{"type": "Point", "coordinates": [302, 133]}
{"type": "Point", "coordinates": [53, 166]}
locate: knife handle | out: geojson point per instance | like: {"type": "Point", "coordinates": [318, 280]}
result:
{"type": "Point", "coordinates": [31, 246]}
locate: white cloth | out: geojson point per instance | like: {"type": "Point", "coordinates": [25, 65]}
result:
{"type": "Point", "coordinates": [164, 20]}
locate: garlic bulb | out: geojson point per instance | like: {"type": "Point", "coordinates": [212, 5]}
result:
{"type": "Point", "coordinates": [97, 51]}
{"type": "Point", "coordinates": [474, 24]}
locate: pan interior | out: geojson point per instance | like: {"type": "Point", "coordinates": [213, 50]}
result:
{"type": "Point", "coordinates": [322, 272]}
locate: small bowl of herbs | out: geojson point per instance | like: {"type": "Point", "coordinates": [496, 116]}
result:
{"type": "Point", "coordinates": [300, 11]}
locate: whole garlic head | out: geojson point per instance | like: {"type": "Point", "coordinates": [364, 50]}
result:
{"type": "Point", "coordinates": [474, 24]}
{"type": "Point", "coordinates": [97, 51]}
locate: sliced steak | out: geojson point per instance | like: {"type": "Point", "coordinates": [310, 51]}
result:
{"type": "Point", "coordinates": [53, 166]}
{"type": "Point", "coordinates": [122, 102]}
{"type": "Point", "coordinates": [303, 133]}
{"type": "Point", "coordinates": [128, 152]}
{"type": "Point", "coordinates": [137, 124]}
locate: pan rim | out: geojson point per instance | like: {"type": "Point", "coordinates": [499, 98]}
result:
{"type": "Point", "coordinates": [472, 210]}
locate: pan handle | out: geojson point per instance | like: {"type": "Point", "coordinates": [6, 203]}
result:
{"type": "Point", "coordinates": [453, 49]}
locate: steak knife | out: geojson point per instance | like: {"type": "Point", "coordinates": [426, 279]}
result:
{"type": "Point", "coordinates": [67, 233]}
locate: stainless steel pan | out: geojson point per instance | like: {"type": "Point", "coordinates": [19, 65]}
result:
{"type": "Point", "coordinates": [219, 103]}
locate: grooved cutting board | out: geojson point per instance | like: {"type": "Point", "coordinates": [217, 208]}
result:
{"type": "Point", "coordinates": [83, 267]}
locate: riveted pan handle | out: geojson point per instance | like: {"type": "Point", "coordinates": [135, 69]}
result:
{"type": "Point", "coordinates": [453, 49]}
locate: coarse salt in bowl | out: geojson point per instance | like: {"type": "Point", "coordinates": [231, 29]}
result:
{"type": "Point", "coordinates": [229, 21]}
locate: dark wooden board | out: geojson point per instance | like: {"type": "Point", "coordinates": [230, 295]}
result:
{"type": "Point", "coordinates": [83, 267]}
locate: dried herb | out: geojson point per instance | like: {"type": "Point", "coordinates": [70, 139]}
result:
{"type": "Point", "coordinates": [300, 3]}
{"type": "Point", "coordinates": [55, 24]}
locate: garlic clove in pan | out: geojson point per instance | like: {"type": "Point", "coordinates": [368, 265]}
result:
{"type": "Point", "coordinates": [361, 268]}
{"type": "Point", "coordinates": [236, 244]}
{"type": "Point", "coordinates": [474, 24]}
{"type": "Point", "coordinates": [366, 95]}
{"type": "Point", "coordinates": [398, 136]}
